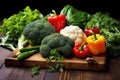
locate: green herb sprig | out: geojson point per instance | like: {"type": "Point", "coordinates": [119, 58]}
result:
{"type": "Point", "coordinates": [35, 70]}
{"type": "Point", "coordinates": [58, 66]}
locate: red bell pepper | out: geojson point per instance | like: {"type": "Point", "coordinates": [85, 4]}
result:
{"type": "Point", "coordinates": [90, 31]}
{"type": "Point", "coordinates": [58, 21]}
{"type": "Point", "coordinates": [81, 50]}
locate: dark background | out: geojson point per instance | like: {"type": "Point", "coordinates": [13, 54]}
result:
{"type": "Point", "coordinates": [10, 7]}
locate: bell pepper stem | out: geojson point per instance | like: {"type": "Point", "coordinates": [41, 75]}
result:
{"type": "Point", "coordinates": [54, 12]}
{"type": "Point", "coordinates": [95, 37]}
{"type": "Point", "coordinates": [82, 46]}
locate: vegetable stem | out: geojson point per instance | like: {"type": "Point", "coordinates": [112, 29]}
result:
{"type": "Point", "coordinates": [82, 46]}
{"type": "Point", "coordinates": [54, 12]}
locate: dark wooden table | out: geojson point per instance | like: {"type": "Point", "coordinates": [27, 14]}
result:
{"type": "Point", "coordinates": [22, 73]}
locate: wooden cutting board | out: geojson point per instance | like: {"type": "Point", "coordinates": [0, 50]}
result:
{"type": "Point", "coordinates": [73, 63]}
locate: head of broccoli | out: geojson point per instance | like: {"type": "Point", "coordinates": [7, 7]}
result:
{"type": "Point", "coordinates": [62, 44]}
{"type": "Point", "coordinates": [36, 30]}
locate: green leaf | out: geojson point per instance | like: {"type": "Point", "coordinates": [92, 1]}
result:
{"type": "Point", "coordinates": [35, 70]}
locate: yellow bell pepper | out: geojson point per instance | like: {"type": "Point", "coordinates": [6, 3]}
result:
{"type": "Point", "coordinates": [96, 44]}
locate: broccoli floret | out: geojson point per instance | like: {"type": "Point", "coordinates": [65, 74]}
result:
{"type": "Point", "coordinates": [54, 40]}
{"type": "Point", "coordinates": [46, 39]}
{"type": "Point", "coordinates": [59, 42]}
{"type": "Point", "coordinates": [37, 30]}
{"type": "Point", "coordinates": [45, 49]}
{"type": "Point", "coordinates": [67, 51]}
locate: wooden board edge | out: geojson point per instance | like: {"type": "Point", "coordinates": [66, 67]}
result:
{"type": "Point", "coordinates": [44, 64]}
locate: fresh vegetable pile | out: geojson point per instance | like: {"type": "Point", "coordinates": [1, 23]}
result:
{"type": "Point", "coordinates": [71, 33]}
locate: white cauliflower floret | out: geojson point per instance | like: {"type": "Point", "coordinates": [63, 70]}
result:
{"type": "Point", "coordinates": [74, 32]}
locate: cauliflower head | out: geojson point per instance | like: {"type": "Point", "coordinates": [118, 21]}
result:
{"type": "Point", "coordinates": [74, 32]}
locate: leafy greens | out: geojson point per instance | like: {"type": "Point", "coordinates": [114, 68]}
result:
{"type": "Point", "coordinates": [75, 17]}
{"type": "Point", "coordinates": [14, 25]}
{"type": "Point", "coordinates": [110, 28]}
